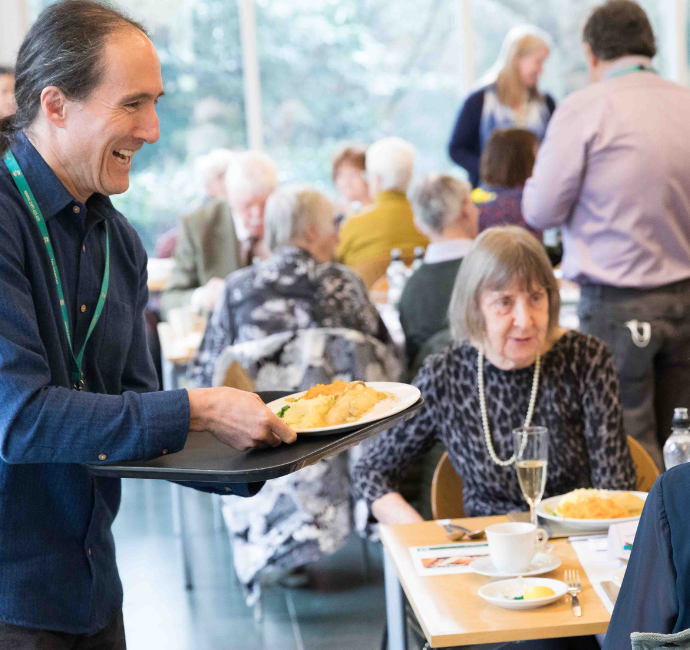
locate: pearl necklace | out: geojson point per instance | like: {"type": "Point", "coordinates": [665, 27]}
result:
{"type": "Point", "coordinates": [482, 406]}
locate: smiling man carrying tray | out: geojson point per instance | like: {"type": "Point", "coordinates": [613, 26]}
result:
{"type": "Point", "coordinates": [76, 377]}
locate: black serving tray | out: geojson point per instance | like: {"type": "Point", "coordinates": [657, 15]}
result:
{"type": "Point", "coordinates": [205, 459]}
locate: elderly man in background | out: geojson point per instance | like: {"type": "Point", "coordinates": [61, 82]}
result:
{"type": "Point", "coordinates": [388, 223]}
{"type": "Point", "coordinates": [445, 213]}
{"type": "Point", "coordinates": [77, 383]}
{"type": "Point", "coordinates": [7, 103]}
{"type": "Point", "coordinates": [224, 234]}
{"type": "Point", "coordinates": [613, 173]}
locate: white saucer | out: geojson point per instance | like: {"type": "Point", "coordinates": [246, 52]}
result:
{"type": "Point", "coordinates": [500, 593]}
{"type": "Point", "coordinates": [542, 563]}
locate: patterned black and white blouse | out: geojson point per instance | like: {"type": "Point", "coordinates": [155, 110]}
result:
{"type": "Point", "coordinates": [290, 291]}
{"type": "Point", "coordinates": [578, 400]}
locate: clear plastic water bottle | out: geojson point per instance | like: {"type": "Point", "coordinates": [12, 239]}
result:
{"type": "Point", "coordinates": [418, 260]}
{"type": "Point", "coordinates": [397, 276]}
{"type": "Point", "coordinates": [677, 447]}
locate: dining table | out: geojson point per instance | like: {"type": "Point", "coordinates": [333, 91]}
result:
{"type": "Point", "coordinates": [451, 613]}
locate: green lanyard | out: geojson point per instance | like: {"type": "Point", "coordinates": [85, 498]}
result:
{"type": "Point", "coordinates": [629, 69]}
{"type": "Point", "coordinates": [27, 195]}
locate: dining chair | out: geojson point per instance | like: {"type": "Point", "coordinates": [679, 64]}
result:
{"type": "Point", "coordinates": [446, 486]}
{"type": "Point", "coordinates": [446, 491]}
{"type": "Point", "coordinates": [645, 467]}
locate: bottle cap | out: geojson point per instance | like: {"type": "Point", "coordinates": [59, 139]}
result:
{"type": "Point", "coordinates": [419, 251]}
{"type": "Point", "coordinates": [681, 420]}
{"type": "Point", "coordinates": [396, 254]}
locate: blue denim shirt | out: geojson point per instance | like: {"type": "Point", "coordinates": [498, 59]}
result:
{"type": "Point", "coordinates": [57, 557]}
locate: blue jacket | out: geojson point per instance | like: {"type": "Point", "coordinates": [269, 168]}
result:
{"type": "Point", "coordinates": [465, 146]}
{"type": "Point", "coordinates": [57, 557]}
{"type": "Point", "coordinates": [655, 596]}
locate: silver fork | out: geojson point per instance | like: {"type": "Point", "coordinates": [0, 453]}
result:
{"type": "Point", "coordinates": [457, 532]}
{"type": "Point", "coordinates": [572, 578]}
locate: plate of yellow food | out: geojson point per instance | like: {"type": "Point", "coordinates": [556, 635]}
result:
{"type": "Point", "coordinates": [342, 405]}
{"type": "Point", "coordinates": [590, 509]}
{"type": "Point", "coordinates": [523, 593]}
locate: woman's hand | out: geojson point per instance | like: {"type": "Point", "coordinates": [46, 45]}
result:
{"type": "Point", "coordinates": [393, 509]}
{"type": "Point", "coordinates": [237, 418]}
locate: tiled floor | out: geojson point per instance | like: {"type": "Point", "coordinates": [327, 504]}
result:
{"type": "Point", "coordinates": [343, 609]}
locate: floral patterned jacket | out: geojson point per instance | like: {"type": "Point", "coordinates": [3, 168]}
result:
{"type": "Point", "coordinates": [288, 292]}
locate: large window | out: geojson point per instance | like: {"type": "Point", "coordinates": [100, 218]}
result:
{"type": "Point", "coordinates": [330, 71]}
{"type": "Point", "coordinates": [354, 70]}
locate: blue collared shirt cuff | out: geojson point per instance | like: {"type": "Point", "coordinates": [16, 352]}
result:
{"type": "Point", "coordinates": [167, 417]}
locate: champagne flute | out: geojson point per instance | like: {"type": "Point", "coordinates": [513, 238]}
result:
{"type": "Point", "coordinates": [531, 456]}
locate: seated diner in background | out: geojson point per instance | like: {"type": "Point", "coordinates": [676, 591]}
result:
{"type": "Point", "coordinates": [349, 166]}
{"type": "Point", "coordinates": [297, 287]}
{"type": "Point", "coordinates": [224, 234]}
{"type": "Point", "coordinates": [506, 164]}
{"type": "Point", "coordinates": [504, 320]}
{"type": "Point", "coordinates": [444, 212]}
{"type": "Point", "coordinates": [388, 223]}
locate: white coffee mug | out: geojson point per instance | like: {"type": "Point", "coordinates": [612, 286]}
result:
{"type": "Point", "coordinates": [513, 545]}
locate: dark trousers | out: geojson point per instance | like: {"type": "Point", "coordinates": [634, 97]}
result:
{"type": "Point", "coordinates": [648, 332]}
{"type": "Point", "coordinates": [15, 637]}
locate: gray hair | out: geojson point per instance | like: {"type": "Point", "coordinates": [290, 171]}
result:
{"type": "Point", "coordinates": [499, 257]}
{"type": "Point", "coordinates": [63, 48]}
{"type": "Point", "coordinates": [437, 201]}
{"type": "Point", "coordinates": [392, 159]}
{"type": "Point", "coordinates": [252, 173]}
{"type": "Point", "coordinates": [291, 210]}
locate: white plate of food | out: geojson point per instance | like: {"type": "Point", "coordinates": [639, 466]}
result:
{"type": "Point", "coordinates": [340, 406]}
{"type": "Point", "coordinates": [523, 593]}
{"type": "Point", "coordinates": [589, 509]}
{"type": "Point", "coordinates": [542, 563]}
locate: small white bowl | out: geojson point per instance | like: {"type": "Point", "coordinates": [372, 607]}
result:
{"type": "Point", "coordinates": [499, 593]}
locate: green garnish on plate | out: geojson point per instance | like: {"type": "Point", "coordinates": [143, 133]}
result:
{"type": "Point", "coordinates": [282, 411]}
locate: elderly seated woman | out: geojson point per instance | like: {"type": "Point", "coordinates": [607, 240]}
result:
{"type": "Point", "coordinates": [296, 288]}
{"type": "Point", "coordinates": [509, 352]}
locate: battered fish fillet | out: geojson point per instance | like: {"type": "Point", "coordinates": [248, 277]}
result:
{"type": "Point", "coordinates": [353, 403]}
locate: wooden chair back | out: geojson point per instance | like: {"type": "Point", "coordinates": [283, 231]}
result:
{"type": "Point", "coordinates": [446, 486]}
{"type": "Point", "coordinates": [645, 467]}
{"type": "Point", "coordinates": [371, 270]}
{"type": "Point", "coordinates": [446, 491]}
{"type": "Point", "coordinates": [237, 377]}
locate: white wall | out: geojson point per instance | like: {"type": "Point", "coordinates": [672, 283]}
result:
{"type": "Point", "coordinates": [14, 23]}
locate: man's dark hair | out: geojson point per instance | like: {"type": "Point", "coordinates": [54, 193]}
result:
{"type": "Point", "coordinates": [619, 28]}
{"type": "Point", "coordinates": [63, 48]}
{"type": "Point", "coordinates": [508, 157]}
{"type": "Point", "coordinates": [6, 71]}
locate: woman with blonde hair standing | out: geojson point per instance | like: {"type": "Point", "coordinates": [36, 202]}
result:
{"type": "Point", "coordinates": [506, 96]}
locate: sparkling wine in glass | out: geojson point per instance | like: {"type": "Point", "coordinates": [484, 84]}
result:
{"type": "Point", "coordinates": [531, 458]}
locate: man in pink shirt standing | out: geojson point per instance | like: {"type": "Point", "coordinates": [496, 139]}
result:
{"type": "Point", "coordinates": [614, 173]}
